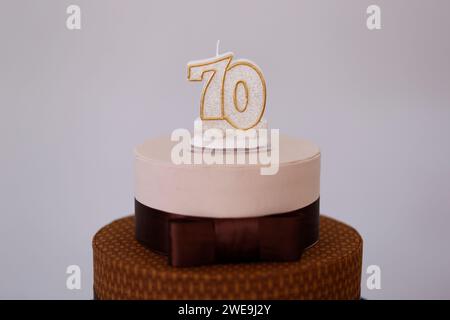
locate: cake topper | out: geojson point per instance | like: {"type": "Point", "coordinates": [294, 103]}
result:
{"type": "Point", "coordinates": [234, 90]}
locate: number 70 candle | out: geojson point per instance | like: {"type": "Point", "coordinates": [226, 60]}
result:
{"type": "Point", "coordinates": [234, 91]}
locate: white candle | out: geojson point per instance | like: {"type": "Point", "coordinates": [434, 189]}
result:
{"type": "Point", "coordinates": [233, 91]}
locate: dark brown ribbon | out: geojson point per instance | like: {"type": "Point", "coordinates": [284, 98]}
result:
{"type": "Point", "coordinates": [191, 241]}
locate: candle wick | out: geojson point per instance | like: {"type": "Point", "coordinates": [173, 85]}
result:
{"type": "Point", "coordinates": [217, 48]}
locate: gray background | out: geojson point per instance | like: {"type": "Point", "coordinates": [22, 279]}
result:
{"type": "Point", "coordinates": [75, 103]}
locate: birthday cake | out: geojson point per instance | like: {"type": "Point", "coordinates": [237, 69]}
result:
{"type": "Point", "coordinates": [228, 211]}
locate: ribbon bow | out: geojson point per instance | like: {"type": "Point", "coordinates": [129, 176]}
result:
{"type": "Point", "coordinates": [190, 241]}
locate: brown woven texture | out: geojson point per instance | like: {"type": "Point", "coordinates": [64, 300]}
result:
{"type": "Point", "coordinates": [124, 269]}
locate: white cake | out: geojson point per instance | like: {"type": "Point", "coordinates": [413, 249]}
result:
{"type": "Point", "coordinates": [226, 191]}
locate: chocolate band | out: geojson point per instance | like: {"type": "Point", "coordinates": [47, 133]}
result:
{"type": "Point", "coordinates": [191, 241]}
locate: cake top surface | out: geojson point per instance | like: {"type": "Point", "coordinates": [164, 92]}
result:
{"type": "Point", "coordinates": [291, 150]}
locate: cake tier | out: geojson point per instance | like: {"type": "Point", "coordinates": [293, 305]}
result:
{"type": "Point", "coordinates": [227, 190]}
{"type": "Point", "coordinates": [124, 269]}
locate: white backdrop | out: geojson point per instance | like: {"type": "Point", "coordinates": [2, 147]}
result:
{"type": "Point", "coordinates": [75, 103]}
